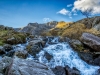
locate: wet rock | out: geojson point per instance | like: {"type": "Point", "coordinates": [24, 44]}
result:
{"type": "Point", "coordinates": [97, 61]}
{"type": "Point", "coordinates": [2, 51]}
{"type": "Point", "coordinates": [7, 47]}
{"type": "Point", "coordinates": [4, 63]}
{"type": "Point", "coordinates": [21, 54]}
{"type": "Point", "coordinates": [33, 50]}
{"type": "Point", "coordinates": [48, 56]}
{"type": "Point", "coordinates": [87, 57]}
{"type": "Point", "coordinates": [10, 53]}
{"type": "Point", "coordinates": [35, 46]}
{"type": "Point", "coordinates": [72, 71]}
{"type": "Point", "coordinates": [76, 45]}
{"type": "Point", "coordinates": [28, 67]}
{"type": "Point", "coordinates": [59, 70]}
{"type": "Point", "coordinates": [91, 40]}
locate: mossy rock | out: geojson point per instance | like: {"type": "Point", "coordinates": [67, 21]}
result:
{"type": "Point", "coordinates": [76, 45]}
{"type": "Point", "coordinates": [12, 37]}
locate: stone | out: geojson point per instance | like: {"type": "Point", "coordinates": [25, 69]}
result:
{"type": "Point", "coordinates": [91, 41]}
{"type": "Point", "coordinates": [87, 57]}
{"type": "Point", "coordinates": [7, 47]}
{"type": "Point", "coordinates": [59, 70]}
{"type": "Point", "coordinates": [97, 61]}
{"type": "Point", "coordinates": [11, 40]}
{"type": "Point", "coordinates": [2, 51]}
{"type": "Point", "coordinates": [76, 45]}
{"type": "Point", "coordinates": [48, 56]}
{"type": "Point", "coordinates": [72, 71]}
{"type": "Point", "coordinates": [4, 63]}
{"type": "Point", "coordinates": [28, 67]}
{"type": "Point", "coordinates": [21, 54]}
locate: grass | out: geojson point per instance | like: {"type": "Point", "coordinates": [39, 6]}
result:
{"type": "Point", "coordinates": [7, 34]}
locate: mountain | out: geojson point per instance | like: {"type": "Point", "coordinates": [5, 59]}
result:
{"type": "Point", "coordinates": [37, 29]}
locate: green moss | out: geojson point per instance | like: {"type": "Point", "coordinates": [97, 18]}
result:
{"type": "Point", "coordinates": [1, 43]}
{"type": "Point", "coordinates": [7, 34]}
{"type": "Point", "coordinates": [79, 47]}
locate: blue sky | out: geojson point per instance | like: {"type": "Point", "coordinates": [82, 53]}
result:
{"type": "Point", "coordinates": [18, 13]}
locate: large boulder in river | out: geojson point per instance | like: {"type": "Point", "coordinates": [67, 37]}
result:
{"type": "Point", "coordinates": [91, 40]}
{"type": "Point", "coordinates": [27, 67]}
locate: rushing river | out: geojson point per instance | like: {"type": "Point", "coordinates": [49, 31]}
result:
{"type": "Point", "coordinates": [62, 55]}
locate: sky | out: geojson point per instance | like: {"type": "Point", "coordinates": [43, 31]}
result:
{"type": "Point", "coordinates": [18, 13]}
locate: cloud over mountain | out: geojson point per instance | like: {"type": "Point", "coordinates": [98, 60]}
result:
{"type": "Point", "coordinates": [84, 5]}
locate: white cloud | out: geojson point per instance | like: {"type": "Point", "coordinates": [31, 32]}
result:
{"type": "Point", "coordinates": [46, 19]}
{"type": "Point", "coordinates": [69, 5]}
{"type": "Point", "coordinates": [63, 11]}
{"type": "Point", "coordinates": [87, 4]}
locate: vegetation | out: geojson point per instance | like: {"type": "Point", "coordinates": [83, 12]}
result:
{"type": "Point", "coordinates": [11, 37]}
{"type": "Point", "coordinates": [71, 30]}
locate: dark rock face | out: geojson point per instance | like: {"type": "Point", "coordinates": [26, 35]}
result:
{"type": "Point", "coordinates": [48, 56]}
{"type": "Point", "coordinates": [59, 71]}
{"type": "Point", "coordinates": [91, 40]}
{"type": "Point", "coordinates": [28, 67]}
{"type": "Point", "coordinates": [72, 71]}
{"type": "Point", "coordinates": [2, 51]}
{"type": "Point", "coordinates": [97, 61]}
{"type": "Point", "coordinates": [87, 57]}
{"type": "Point", "coordinates": [7, 47]}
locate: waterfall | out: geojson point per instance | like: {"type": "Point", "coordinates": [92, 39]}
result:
{"type": "Point", "coordinates": [64, 55]}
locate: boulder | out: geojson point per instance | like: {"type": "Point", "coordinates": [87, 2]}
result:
{"type": "Point", "coordinates": [72, 71]}
{"type": "Point", "coordinates": [35, 46]}
{"type": "Point", "coordinates": [21, 54]}
{"type": "Point", "coordinates": [58, 70]}
{"type": "Point", "coordinates": [4, 63]}
{"type": "Point", "coordinates": [91, 41]}
{"type": "Point", "coordinates": [2, 51]}
{"type": "Point", "coordinates": [76, 45]}
{"type": "Point", "coordinates": [87, 57]}
{"type": "Point", "coordinates": [48, 56]}
{"type": "Point", "coordinates": [97, 61]}
{"type": "Point", "coordinates": [27, 67]}
{"type": "Point", "coordinates": [7, 47]}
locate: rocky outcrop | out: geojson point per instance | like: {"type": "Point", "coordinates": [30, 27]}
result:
{"type": "Point", "coordinates": [91, 21]}
{"type": "Point", "coordinates": [27, 67]}
{"type": "Point", "coordinates": [38, 29]}
{"type": "Point", "coordinates": [91, 40]}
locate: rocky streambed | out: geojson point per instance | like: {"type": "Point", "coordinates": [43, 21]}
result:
{"type": "Point", "coordinates": [47, 56]}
